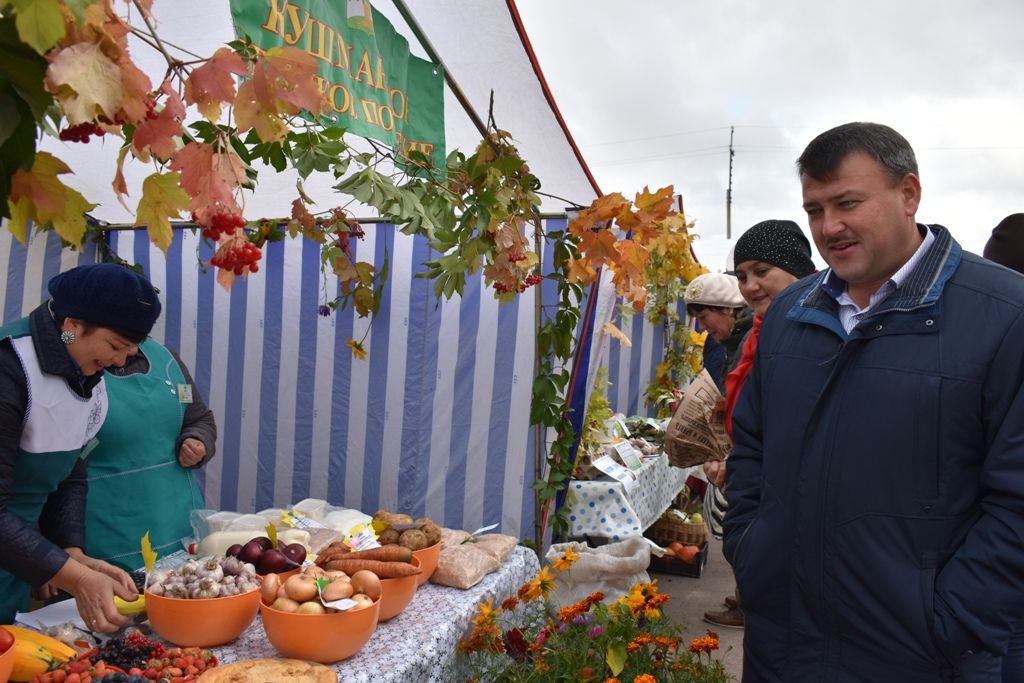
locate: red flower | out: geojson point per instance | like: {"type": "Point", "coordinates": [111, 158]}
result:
{"type": "Point", "coordinates": [515, 643]}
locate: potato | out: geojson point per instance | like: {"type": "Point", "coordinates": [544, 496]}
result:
{"type": "Point", "coordinates": [413, 539]}
{"type": "Point", "coordinates": [401, 519]}
{"type": "Point", "coordinates": [432, 532]}
{"type": "Point", "coordinates": [388, 537]}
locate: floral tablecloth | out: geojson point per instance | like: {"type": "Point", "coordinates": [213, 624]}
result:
{"type": "Point", "coordinates": [417, 646]}
{"type": "Point", "coordinates": [614, 510]}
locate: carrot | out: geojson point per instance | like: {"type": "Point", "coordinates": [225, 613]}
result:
{"type": "Point", "coordinates": [387, 553]}
{"type": "Point", "coordinates": [384, 570]}
{"type": "Point", "coordinates": [688, 554]}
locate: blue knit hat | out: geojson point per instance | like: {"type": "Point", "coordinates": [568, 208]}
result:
{"type": "Point", "coordinates": [108, 295]}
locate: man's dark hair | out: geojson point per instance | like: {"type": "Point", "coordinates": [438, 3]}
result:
{"type": "Point", "coordinates": [825, 153]}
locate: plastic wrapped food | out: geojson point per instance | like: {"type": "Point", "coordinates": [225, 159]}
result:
{"type": "Point", "coordinates": [462, 566]}
{"type": "Point", "coordinates": [498, 546]}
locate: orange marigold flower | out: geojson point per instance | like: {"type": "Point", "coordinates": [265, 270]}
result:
{"type": "Point", "coordinates": [594, 598]}
{"type": "Point", "coordinates": [643, 638]}
{"type": "Point", "coordinates": [570, 612]}
{"type": "Point", "coordinates": [509, 603]}
{"type": "Point", "coordinates": [645, 678]}
{"type": "Point", "coordinates": [712, 634]}
{"type": "Point", "coordinates": [703, 644]}
{"type": "Point", "coordinates": [658, 600]}
{"type": "Point", "coordinates": [665, 641]}
{"type": "Point", "coordinates": [611, 680]}
{"type": "Point", "coordinates": [633, 646]}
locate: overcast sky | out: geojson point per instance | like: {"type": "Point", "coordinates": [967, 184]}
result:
{"type": "Point", "coordinates": [649, 90]}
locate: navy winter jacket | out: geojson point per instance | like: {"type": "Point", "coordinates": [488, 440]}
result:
{"type": "Point", "coordinates": [876, 487]}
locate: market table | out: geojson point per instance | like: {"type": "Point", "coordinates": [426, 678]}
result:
{"type": "Point", "coordinates": [614, 510]}
{"type": "Point", "coordinates": [418, 645]}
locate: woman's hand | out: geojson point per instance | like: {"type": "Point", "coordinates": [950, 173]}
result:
{"type": "Point", "coordinates": [94, 583]}
{"type": "Point", "coordinates": [191, 452]}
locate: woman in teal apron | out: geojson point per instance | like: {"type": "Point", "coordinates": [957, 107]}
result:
{"type": "Point", "coordinates": [53, 402]}
{"type": "Point", "coordinates": [153, 464]}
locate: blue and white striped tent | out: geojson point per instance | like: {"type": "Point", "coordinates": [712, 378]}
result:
{"type": "Point", "coordinates": [434, 422]}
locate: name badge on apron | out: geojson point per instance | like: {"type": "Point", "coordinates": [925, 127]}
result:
{"type": "Point", "coordinates": [184, 393]}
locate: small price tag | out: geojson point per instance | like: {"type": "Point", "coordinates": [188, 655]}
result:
{"type": "Point", "coordinates": [628, 455]}
{"type": "Point", "coordinates": [297, 520]}
{"type": "Point", "coordinates": [361, 537]}
{"type": "Point", "coordinates": [184, 393]}
{"type": "Point", "coordinates": [613, 469]}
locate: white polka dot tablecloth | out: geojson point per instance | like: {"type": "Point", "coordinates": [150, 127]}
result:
{"type": "Point", "coordinates": [614, 510]}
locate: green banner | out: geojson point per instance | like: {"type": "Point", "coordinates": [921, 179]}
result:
{"type": "Point", "coordinates": [374, 87]}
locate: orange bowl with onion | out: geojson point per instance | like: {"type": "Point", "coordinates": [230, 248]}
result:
{"type": "Point", "coordinates": [322, 638]}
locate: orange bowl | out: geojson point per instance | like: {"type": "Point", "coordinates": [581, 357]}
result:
{"type": "Point", "coordinates": [207, 622]}
{"type": "Point", "coordinates": [428, 561]}
{"type": "Point", "coordinates": [397, 593]}
{"type": "Point", "coordinates": [7, 662]}
{"type": "Point", "coordinates": [322, 638]}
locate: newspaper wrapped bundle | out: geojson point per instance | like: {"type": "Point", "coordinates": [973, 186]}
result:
{"type": "Point", "coordinates": [696, 433]}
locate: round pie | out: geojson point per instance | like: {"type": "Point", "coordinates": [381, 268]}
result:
{"type": "Point", "coordinates": [270, 671]}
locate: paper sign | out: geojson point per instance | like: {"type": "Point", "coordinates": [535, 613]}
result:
{"type": "Point", "coordinates": [621, 424]}
{"type": "Point", "coordinates": [297, 520]}
{"type": "Point", "coordinates": [609, 466]}
{"type": "Point", "coordinates": [362, 537]}
{"type": "Point", "coordinates": [628, 455]}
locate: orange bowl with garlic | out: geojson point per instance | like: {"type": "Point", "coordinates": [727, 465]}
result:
{"type": "Point", "coordinates": [202, 622]}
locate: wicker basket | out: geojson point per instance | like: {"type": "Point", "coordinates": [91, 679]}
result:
{"type": "Point", "coordinates": [668, 530]}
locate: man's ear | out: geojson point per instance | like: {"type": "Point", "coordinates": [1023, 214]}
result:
{"type": "Point", "coordinates": [910, 191]}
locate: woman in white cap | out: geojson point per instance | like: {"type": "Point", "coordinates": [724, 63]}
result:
{"type": "Point", "coordinates": [52, 403]}
{"type": "Point", "coordinates": [714, 301]}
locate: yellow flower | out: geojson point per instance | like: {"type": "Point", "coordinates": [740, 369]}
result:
{"type": "Point", "coordinates": [698, 338]}
{"type": "Point", "coordinates": [545, 581]}
{"type": "Point", "coordinates": [487, 613]}
{"type": "Point", "coordinates": [357, 349]}
{"type": "Point", "coordinates": [565, 561]}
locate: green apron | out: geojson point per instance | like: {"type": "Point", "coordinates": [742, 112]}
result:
{"type": "Point", "coordinates": [36, 476]}
{"type": "Point", "coordinates": [135, 481]}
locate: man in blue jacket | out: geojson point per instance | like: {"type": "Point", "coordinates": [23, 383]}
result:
{"type": "Point", "coordinates": [876, 486]}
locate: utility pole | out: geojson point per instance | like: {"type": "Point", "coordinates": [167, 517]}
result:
{"type": "Point", "coordinates": [728, 192]}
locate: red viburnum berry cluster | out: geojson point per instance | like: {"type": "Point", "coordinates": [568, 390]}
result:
{"type": "Point", "coordinates": [221, 223]}
{"type": "Point", "coordinates": [516, 256]}
{"type": "Point", "coordinates": [344, 237]}
{"type": "Point", "coordinates": [238, 258]}
{"type": "Point", "coordinates": [81, 132]}
{"type": "Point", "coordinates": [529, 281]}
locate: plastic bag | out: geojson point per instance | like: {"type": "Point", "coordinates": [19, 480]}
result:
{"type": "Point", "coordinates": [498, 546]}
{"type": "Point", "coordinates": [612, 569]}
{"type": "Point", "coordinates": [462, 566]}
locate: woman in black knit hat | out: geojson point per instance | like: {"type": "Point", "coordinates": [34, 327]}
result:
{"type": "Point", "coordinates": [1006, 245]}
{"type": "Point", "coordinates": [768, 257]}
{"type": "Point", "coordinates": [96, 317]}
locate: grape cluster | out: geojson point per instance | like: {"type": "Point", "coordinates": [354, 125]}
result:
{"type": "Point", "coordinates": [81, 132]}
{"type": "Point", "coordinates": [238, 258]}
{"type": "Point", "coordinates": [529, 281]}
{"type": "Point", "coordinates": [129, 651]}
{"type": "Point", "coordinates": [221, 223]}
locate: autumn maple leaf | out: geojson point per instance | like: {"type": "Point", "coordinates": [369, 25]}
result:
{"type": "Point", "coordinates": [162, 198]}
{"type": "Point", "coordinates": [602, 210]}
{"type": "Point", "coordinates": [599, 247]}
{"type": "Point", "coordinates": [213, 84]}
{"type": "Point", "coordinates": [282, 84]}
{"type": "Point", "coordinates": [209, 177]}
{"type": "Point", "coordinates": [580, 271]}
{"type": "Point", "coordinates": [157, 135]}
{"type": "Point", "coordinates": [39, 196]}
{"type": "Point", "coordinates": [86, 82]}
